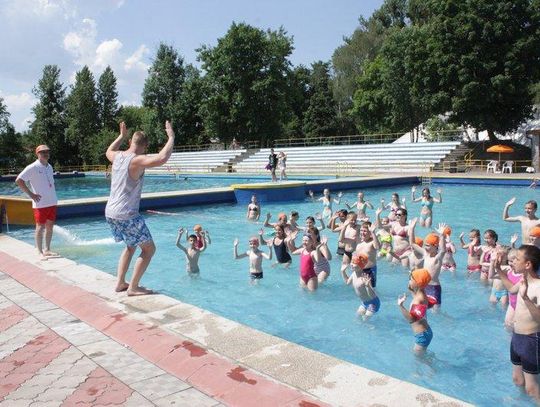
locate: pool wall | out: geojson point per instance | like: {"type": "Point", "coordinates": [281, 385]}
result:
{"type": "Point", "coordinates": [19, 209]}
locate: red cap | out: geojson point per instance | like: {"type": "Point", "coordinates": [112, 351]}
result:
{"type": "Point", "coordinates": [42, 147]}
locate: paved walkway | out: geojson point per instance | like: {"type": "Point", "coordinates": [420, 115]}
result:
{"type": "Point", "coordinates": [63, 346]}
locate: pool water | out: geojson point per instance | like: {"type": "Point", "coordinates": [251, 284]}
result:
{"type": "Point", "coordinates": [468, 357]}
{"type": "Point", "coordinates": [99, 186]}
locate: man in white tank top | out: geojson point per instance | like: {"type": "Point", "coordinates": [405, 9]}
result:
{"type": "Point", "coordinates": [122, 210]}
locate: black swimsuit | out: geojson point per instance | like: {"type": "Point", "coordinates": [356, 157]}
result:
{"type": "Point", "coordinates": [282, 254]}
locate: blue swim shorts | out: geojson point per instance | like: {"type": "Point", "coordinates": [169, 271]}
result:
{"type": "Point", "coordinates": [424, 338]}
{"type": "Point", "coordinates": [372, 305]}
{"type": "Point", "coordinates": [525, 352]}
{"type": "Point", "coordinates": [132, 231]}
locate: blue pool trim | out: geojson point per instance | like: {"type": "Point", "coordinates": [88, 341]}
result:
{"type": "Point", "coordinates": [11, 178]}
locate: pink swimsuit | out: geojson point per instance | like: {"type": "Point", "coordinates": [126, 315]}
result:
{"type": "Point", "coordinates": [307, 271]}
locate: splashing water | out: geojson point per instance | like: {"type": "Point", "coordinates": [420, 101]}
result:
{"type": "Point", "coordinates": [73, 239]}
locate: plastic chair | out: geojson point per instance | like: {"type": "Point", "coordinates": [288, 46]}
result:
{"type": "Point", "coordinates": [507, 166]}
{"type": "Point", "coordinates": [492, 165]}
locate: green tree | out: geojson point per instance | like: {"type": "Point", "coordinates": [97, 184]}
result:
{"type": "Point", "coordinates": [107, 98]}
{"type": "Point", "coordinates": [298, 94]}
{"type": "Point", "coordinates": [49, 122]}
{"type": "Point", "coordinates": [246, 78]}
{"type": "Point", "coordinates": [486, 57]}
{"type": "Point", "coordinates": [320, 117]}
{"type": "Point", "coordinates": [11, 148]}
{"type": "Point", "coordinates": [162, 91]}
{"type": "Point", "coordinates": [81, 116]}
{"type": "Point", "coordinates": [189, 125]}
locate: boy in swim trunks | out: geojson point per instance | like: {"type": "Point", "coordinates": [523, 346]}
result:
{"type": "Point", "coordinates": [361, 283]}
{"type": "Point", "coordinates": [528, 221]}
{"type": "Point", "coordinates": [433, 253]}
{"type": "Point", "coordinates": [340, 216]}
{"type": "Point", "coordinates": [192, 252]}
{"type": "Point", "coordinates": [350, 236]}
{"type": "Point", "coordinates": [525, 344]}
{"type": "Point", "coordinates": [369, 245]}
{"type": "Point", "coordinates": [255, 257]}
{"type": "Point", "coordinates": [416, 315]}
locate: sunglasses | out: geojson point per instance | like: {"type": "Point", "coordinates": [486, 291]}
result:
{"type": "Point", "coordinates": [399, 214]}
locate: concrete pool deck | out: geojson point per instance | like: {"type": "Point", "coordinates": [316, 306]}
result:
{"type": "Point", "coordinates": [66, 337]}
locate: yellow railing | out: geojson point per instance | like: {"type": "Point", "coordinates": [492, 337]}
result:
{"type": "Point", "coordinates": [468, 164]}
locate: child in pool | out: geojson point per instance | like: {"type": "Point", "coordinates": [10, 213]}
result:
{"type": "Point", "coordinates": [416, 315]}
{"type": "Point", "coordinates": [369, 245]}
{"type": "Point", "coordinates": [498, 290]}
{"type": "Point", "coordinates": [527, 221]}
{"type": "Point", "coordinates": [448, 262]}
{"type": "Point", "coordinates": [282, 220]}
{"type": "Point", "coordinates": [474, 250]}
{"type": "Point", "coordinates": [426, 213]}
{"type": "Point", "coordinates": [334, 226]}
{"type": "Point", "coordinates": [253, 209]}
{"type": "Point", "coordinates": [525, 344]}
{"type": "Point", "coordinates": [514, 278]}
{"type": "Point", "coordinates": [394, 205]}
{"type": "Point", "coordinates": [432, 253]}
{"type": "Point", "coordinates": [488, 250]}
{"type": "Point", "coordinates": [350, 236]}
{"type": "Point", "coordinates": [192, 252]}
{"type": "Point", "coordinates": [201, 236]}
{"type": "Point", "coordinates": [361, 283]}
{"type": "Point", "coordinates": [309, 253]}
{"type": "Point", "coordinates": [534, 236]}
{"type": "Point", "coordinates": [415, 260]}
{"type": "Point", "coordinates": [280, 242]}
{"type": "Point", "coordinates": [255, 257]}
{"type": "Point", "coordinates": [360, 206]}
{"type": "Point", "coordinates": [327, 200]}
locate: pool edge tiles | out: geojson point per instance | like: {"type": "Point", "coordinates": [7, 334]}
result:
{"type": "Point", "coordinates": [329, 379]}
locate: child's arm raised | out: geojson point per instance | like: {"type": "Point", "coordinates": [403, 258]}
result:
{"type": "Point", "coordinates": [203, 240]}
{"type": "Point", "coordinates": [178, 244]}
{"type": "Point", "coordinates": [236, 255]}
{"type": "Point", "coordinates": [269, 255]}
{"type": "Point", "coordinates": [406, 314]}
{"type": "Point", "coordinates": [503, 274]}
{"type": "Point", "coordinates": [338, 200]}
{"type": "Point", "coordinates": [439, 199]}
{"type": "Point", "coordinates": [346, 278]}
{"type": "Point", "coordinates": [319, 217]}
{"type": "Point", "coordinates": [463, 244]}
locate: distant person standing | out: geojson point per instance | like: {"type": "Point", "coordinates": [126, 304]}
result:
{"type": "Point", "coordinates": [122, 210]}
{"type": "Point", "coordinates": [40, 175]}
{"type": "Point", "coordinates": [272, 164]}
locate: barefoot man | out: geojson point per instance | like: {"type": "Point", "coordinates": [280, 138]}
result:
{"type": "Point", "coordinates": [40, 176]}
{"type": "Point", "coordinates": [122, 210]}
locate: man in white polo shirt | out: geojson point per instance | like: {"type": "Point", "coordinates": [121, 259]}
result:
{"type": "Point", "coordinates": [40, 176]}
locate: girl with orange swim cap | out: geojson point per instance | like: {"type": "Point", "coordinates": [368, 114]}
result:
{"type": "Point", "coordinates": [416, 314]}
{"type": "Point", "coordinates": [448, 262]}
{"type": "Point", "coordinates": [362, 284]}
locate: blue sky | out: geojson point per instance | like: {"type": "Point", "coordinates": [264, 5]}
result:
{"type": "Point", "coordinates": [126, 33]}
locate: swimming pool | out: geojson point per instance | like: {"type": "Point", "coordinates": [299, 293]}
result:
{"type": "Point", "coordinates": [468, 357]}
{"type": "Point", "coordinates": [98, 186]}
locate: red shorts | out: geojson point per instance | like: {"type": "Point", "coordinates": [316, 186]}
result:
{"type": "Point", "coordinates": [42, 215]}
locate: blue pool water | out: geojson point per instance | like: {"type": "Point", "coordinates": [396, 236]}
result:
{"type": "Point", "coordinates": [468, 358]}
{"type": "Point", "coordinates": [95, 186]}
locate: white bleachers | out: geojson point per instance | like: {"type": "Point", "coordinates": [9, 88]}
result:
{"type": "Point", "coordinates": [198, 161]}
{"type": "Point", "coordinates": [403, 157]}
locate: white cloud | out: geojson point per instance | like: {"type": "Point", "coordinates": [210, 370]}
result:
{"type": "Point", "coordinates": [19, 101]}
{"type": "Point", "coordinates": [38, 9]}
{"type": "Point", "coordinates": [82, 43]}
{"type": "Point", "coordinates": [108, 53]}
{"type": "Point", "coordinates": [135, 61]}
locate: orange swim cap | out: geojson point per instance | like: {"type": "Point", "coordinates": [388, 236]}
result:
{"type": "Point", "coordinates": [421, 277]}
{"type": "Point", "coordinates": [432, 239]}
{"type": "Point", "coordinates": [360, 260]}
{"type": "Point", "coordinates": [535, 231]}
{"type": "Point", "coordinates": [197, 228]}
{"type": "Point", "coordinates": [447, 231]}
{"type": "Point", "coordinates": [418, 240]}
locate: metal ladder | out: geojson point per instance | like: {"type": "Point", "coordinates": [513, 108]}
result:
{"type": "Point", "coordinates": [426, 177]}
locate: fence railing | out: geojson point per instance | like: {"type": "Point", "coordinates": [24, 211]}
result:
{"type": "Point", "coordinates": [216, 147]}
{"type": "Point", "coordinates": [378, 138]}
{"type": "Point", "coordinates": [468, 165]}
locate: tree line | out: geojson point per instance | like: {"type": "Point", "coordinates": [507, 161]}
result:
{"type": "Point", "coordinates": [447, 63]}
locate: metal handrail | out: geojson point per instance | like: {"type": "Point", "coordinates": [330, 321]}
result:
{"type": "Point", "coordinates": [480, 165]}
{"type": "Point", "coordinates": [376, 138]}
{"type": "Point", "coordinates": [60, 168]}
{"type": "Point", "coordinates": [215, 147]}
